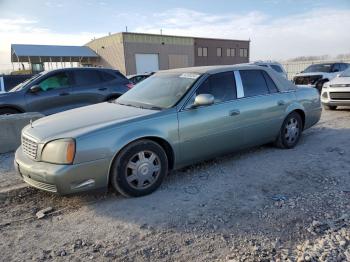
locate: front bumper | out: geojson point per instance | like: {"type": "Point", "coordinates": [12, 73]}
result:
{"type": "Point", "coordinates": [326, 97]}
{"type": "Point", "coordinates": [62, 179]}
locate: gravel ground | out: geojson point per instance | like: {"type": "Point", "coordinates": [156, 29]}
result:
{"type": "Point", "coordinates": [263, 204]}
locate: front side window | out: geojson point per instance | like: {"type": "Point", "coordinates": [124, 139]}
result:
{"type": "Point", "coordinates": [86, 77]}
{"type": "Point", "coordinates": [254, 83]}
{"type": "Point", "coordinates": [162, 90]}
{"type": "Point", "coordinates": [56, 81]}
{"type": "Point", "coordinates": [222, 86]}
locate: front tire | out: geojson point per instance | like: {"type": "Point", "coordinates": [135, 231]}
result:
{"type": "Point", "coordinates": [290, 132]}
{"type": "Point", "coordinates": [139, 169]}
{"type": "Point", "coordinates": [330, 107]}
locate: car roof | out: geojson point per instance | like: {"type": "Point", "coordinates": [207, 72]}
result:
{"type": "Point", "coordinates": [81, 68]}
{"type": "Point", "coordinates": [211, 69]}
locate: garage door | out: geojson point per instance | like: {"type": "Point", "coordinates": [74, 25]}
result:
{"type": "Point", "coordinates": [146, 63]}
{"type": "Point", "coordinates": [178, 61]}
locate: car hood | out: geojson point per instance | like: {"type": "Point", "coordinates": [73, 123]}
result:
{"type": "Point", "coordinates": [340, 81]}
{"type": "Point", "coordinates": [80, 121]}
{"type": "Point", "coordinates": [313, 74]}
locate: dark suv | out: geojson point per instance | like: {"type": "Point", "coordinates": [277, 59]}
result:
{"type": "Point", "coordinates": [62, 89]}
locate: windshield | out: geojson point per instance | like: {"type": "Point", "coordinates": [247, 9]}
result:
{"type": "Point", "coordinates": [20, 86]}
{"type": "Point", "coordinates": [346, 73]}
{"type": "Point", "coordinates": [326, 68]}
{"type": "Point", "coordinates": [162, 90]}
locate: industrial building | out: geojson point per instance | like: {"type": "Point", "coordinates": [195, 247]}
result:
{"type": "Point", "coordinates": [136, 53]}
{"type": "Point", "coordinates": [132, 53]}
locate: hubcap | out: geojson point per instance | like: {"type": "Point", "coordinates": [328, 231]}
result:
{"type": "Point", "coordinates": [292, 130]}
{"type": "Point", "coordinates": [143, 169]}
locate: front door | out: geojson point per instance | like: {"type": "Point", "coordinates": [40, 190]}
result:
{"type": "Point", "coordinates": [208, 131]}
{"type": "Point", "coordinates": [53, 96]}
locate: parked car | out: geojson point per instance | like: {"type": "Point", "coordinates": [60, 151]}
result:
{"type": "Point", "coordinates": [274, 66]}
{"type": "Point", "coordinates": [317, 74]}
{"type": "Point", "coordinates": [7, 82]}
{"type": "Point", "coordinates": [172, 119]}
{"type": "Point", "coordinates": [337, 91]}
{"type": "Point", "coordinates": [138, 78]}
{"type": "Point", "coordinates": [62, 89]}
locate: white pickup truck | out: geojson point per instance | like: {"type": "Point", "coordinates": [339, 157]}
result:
{"type": "Point", "coordinates": [317, 74]}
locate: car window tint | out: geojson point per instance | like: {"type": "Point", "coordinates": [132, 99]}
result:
{"type": "Point", "coordinates": [253, 83]}
{"type": "Point", "coordinates": [56, 81]}
{"type": "Point", "coordinates": [270, 84]}
{"type": "Point", "coordinates": [222, 86]}
{"type": "Point", "coordinates": [343, 67]}
{"type": "Point", "coordinates": [277, 68]}
{"type": "Point", "coordinates": [336, 68]}
{"type": "Point", "coordinates": [86, 77]}
{"type": "Point", "coordinates": [107, 76]}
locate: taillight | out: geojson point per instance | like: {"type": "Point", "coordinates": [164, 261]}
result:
{"type": "Point", "coordinates": [129, 85]}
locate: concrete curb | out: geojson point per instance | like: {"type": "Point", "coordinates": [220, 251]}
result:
{"type": "Point", "coordinates": [11, 127]}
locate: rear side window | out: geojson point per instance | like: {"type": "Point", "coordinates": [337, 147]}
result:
{"type": "Point", "coordinates": [106, 77]}
{"type": "Point", "coordinates": [222, 86]}
{"type": "Point", "coordinates": [86, 77]}
{"type": "Point", "coordinates": [254, 83]}
{"type": "Point", "coordinates": [277, 68]}
{"type": "Point", "coordinates": [270, 84]}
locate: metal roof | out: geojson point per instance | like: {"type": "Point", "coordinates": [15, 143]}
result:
{"type": "Point", "coordinates": [52, 51]}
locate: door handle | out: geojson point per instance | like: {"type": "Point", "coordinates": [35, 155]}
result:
{"type": "Point", "coordinates": [281, 103]}
{"type": "Point", "coordinates": [102, 88]}
{"type": "Point", "coordinates": [234, 112]}
{"type": "Point", "coordinates": [64, 94]}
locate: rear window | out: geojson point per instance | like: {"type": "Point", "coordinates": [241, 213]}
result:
{"type": "Point", "coordinates": [254, 83]}
{"type": "Point", "coordinates": [277, 68]}
{"type": "Point", "coordinates": [87, 77]}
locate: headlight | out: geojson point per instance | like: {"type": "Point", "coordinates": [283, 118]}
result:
{"type": "Point", "coordinates": [61, 151]}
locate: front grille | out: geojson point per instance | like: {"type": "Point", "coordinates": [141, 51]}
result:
{"type": "Point", "coordinates": [340, 85]}
{"type": "Point", "coordinates": [40, 185]}
{"type": "Point", "coordinates": [29, 147]}
{"type": "Point", "coordinates": [340, 95]}
{"type": "Point", "coordinates": [306, 80]}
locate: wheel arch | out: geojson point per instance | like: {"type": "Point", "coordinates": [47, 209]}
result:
{"type": "Point", "coordinates": [169, 151]}
{"type": "Point", "coordinates": [298, 109]}
{"type": "Point", "coordinates": [14, 107]}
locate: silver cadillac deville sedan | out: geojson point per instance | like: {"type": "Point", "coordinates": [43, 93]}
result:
{"type": "Point", "coordinates": [172, 119]}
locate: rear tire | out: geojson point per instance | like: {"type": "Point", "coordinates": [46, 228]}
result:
{"type": "Point", "coordinates": [290, 132]}
{"type": "Point", "coordinates": [8, 111]}
{"type": "Point", "coordinates": [139, 169]}
{"type": "Point", "coordinates": [330, 107]}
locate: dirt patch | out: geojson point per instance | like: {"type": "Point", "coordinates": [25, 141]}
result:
{"type": "Point", "coordinates": [262, 204]}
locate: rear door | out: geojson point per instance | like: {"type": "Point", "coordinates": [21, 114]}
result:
{"type": "Point", "coordinates": [262, 106]}
{"type": "Point", "coordinates": [53, 96]}
{"type": "Point", "coordinates": [88, 88]}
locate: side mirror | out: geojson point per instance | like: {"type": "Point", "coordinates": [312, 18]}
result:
{"type": "Point", "coordinates": [203, 100]}
{"type": "Point", "coordinates": [35, 89]}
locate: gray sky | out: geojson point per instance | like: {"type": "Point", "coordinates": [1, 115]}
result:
{"type": "Point", "coordinates": [278, 29]}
